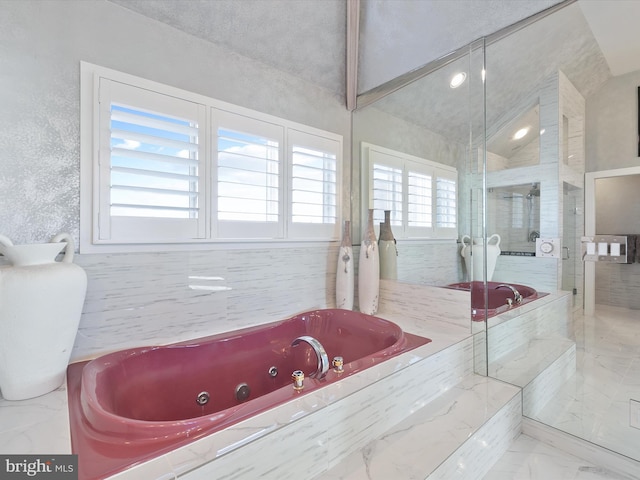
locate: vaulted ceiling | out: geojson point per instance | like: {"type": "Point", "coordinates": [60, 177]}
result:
{"type": "Point", "coordinates": [307, 38]}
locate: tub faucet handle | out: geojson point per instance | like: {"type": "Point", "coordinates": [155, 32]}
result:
{"type": "Point", "coordinates": [298, 379]}
{"type": "Point", "coordinates": [321, 354]}
{"type": "Point", "coordinates": [338, 364]}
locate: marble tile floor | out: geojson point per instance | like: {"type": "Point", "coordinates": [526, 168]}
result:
{"type": "Point", "coordinates": [594, 404]}
{"type": "Point", "coordinates": [531, 459]}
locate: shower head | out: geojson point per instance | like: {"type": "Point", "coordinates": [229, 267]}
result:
{"type": "Point", "coordinates": [534, 192]}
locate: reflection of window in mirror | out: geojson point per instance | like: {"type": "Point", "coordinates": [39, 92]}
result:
{"type": "Point", "coordinates": [515, 141]}
{"type": "Point", "coordinates": [420, 194]}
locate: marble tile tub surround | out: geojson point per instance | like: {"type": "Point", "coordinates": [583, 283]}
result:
{"type": "Point", "coordinates": [458, 435]}
{"type": "Point", "coordinates": [317, 442]}
{"type": "Point", "coordinates": [549, 316]}
{"type": "Point", "coordinates": [533, 347]}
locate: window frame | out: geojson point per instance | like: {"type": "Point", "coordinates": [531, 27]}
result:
{"type": "Point", "coordinates": [370, 152]}
{"type": "Point", "coordinates": [210, 232]}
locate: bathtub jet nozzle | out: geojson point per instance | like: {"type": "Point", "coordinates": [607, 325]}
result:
{"type": "Point", "coordinates": [298, 379]}
{"type": "Point", "coordinates": [203, 398]}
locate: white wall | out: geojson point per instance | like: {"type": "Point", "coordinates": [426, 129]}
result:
{"type": "Point", "coordinates": [618, 205]}
{"type": "Point", "coordinates": [143, 298]}
{"type": "Point", "coordinates": [612, 124]}
{"type": "Point", "coordinates": [612, 143]}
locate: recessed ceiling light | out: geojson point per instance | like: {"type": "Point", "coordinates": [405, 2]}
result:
{"type": "Point", "coordinates": [521, 133]}
{"type": "Point", "coordinates": [458, 79]}
{"type": "Point", "coordinates": [542, 131]}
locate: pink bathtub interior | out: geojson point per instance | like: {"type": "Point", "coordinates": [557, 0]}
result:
{"type": "Point", "coordinates": [135, 404]}
{"type": "Point", "coordinates": [497, 297]}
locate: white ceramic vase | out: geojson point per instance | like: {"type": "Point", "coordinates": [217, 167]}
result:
{"type": "Point", "coordinates": [40, 306]}
{"type": "Point", "coordinates": [388, 249]}
{"type": "Point", "coordinates": [369, 270]}
{"type": "Point", "coordinates": [473, 254]}
{"type": "Point", "coordinates": [345, 271]}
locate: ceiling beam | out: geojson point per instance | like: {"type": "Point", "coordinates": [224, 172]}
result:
{"type": "Point", "coordinates": [353, 32]}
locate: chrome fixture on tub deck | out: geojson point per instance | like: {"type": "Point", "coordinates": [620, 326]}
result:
{"type": "Point", "coordinates": [298, 379]}
{"type": "Point", "coordinates": [323, 358]}
{"type": "Point", "coordinates": [338, 364]}
{"type": "Point", "coordinates": [516, 294]}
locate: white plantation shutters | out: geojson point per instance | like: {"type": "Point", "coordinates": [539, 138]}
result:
{"type": "Point", "coordinates": [257, 187]}
{"type": "Point", "coordinates": [446, 203]}
{"type": "Point", "coordinates": [150, 165]}
{"type": "Point", "coordinates": [313, 185]}
{"type": "Point", "coordinates": [249, 177]}
{"type": "Point", "coordinates": [386, 184]}
{"type": "Point", "coordinates": [419, 199]}
{"type": "Point", "coordinates": [162, 165]}
{"type": "Point", "coordinates": [421, 195]}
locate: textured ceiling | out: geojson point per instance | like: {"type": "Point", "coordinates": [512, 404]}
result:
{"type": "Point", "coordinates": [398, 36]}
{"type": "Point", "coordinates": [516, 66]}
{"type": "Point", "coordinates": [305, 38]}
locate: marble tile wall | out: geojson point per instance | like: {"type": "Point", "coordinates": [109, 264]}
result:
{"type": "Point", "coordinates": [149, 298]}
{"type": "Point", "coordinates": [421, 303]}
{"type": "Point", "coordinates": [156, 298]}
{"type": "Point", "coordinates": [618, 285]}
{"type": "Point", "coordinates": [557, 98]}
{"type": "Point", "coordinates": [539, 273]}
{"type": "Point", "coordinates": [433, 263]}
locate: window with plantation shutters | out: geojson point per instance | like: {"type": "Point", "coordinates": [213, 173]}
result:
{"type": "Point", "coordinates": [313, 184]}
{"type": "Point", "coordinates": [446, 203]}
{"type": "Point", "coordinates": [420, 194]}
{"type": "Point", "coordinates": [386, 185]}
{"type": "Point", "coordinates": [419, 199]}
{"type": "Point", "coordinates": [249, 176]}
{"type": "Point", "coordinates": [150, 165]}
{"type": "Point", "coordinates": [162, 165]}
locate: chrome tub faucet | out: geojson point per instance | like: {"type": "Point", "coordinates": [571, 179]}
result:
{"type": "Point", "coordinates": [517, 297]}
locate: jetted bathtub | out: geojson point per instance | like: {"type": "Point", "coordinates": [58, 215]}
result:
{"type": "Point", "coordinates": [498, 298]}
{"type": "Point", "coordinates": [136, 404]}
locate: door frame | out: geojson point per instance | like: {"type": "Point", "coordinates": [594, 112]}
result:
{"type": "Point", "coordinates": [590, 227]}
